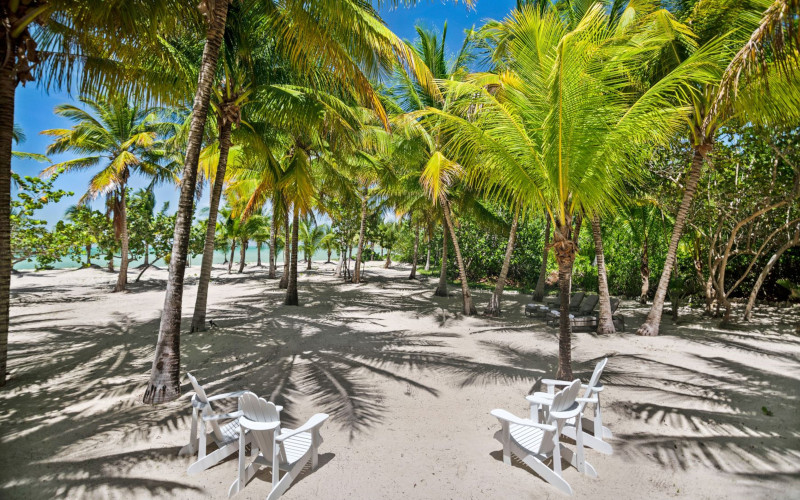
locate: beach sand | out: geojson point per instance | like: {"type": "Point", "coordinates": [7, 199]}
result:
{"type": "Point", "coordinates": [408, 381]}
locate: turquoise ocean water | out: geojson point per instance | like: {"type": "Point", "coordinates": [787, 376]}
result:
{"type": "Point", "coordinates": [219, 258]}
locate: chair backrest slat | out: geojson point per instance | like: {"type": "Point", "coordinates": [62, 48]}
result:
{"type": "Point", "coordinates": [598, 371]}
{"type": "Point", "coordinates": [260, 410]}
{"type": "Point", "coordinates": [198, 389]}
{"type": "Point", "coordinates": [588, 305]}
{"type": "Point", "coordinates": [562, 401]}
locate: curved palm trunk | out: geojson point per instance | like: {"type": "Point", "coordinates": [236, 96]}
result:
{"type": "Point", "coordinates": [538, 294]}
{"type": "Point", "coordinates": [8, 88]}
{"type": "Point", "coordinates": [416, 255]}
{"type": "Point", "coordinates": [291, 290]}
{"type": "Point", "coordinates": [751, 301]}
{"type": "Point", "coordinates": [644, 272]}
{"type": "Point", "coordinates": [565, 251]}
{"type": "Point", "coordinates": [164, 384]}
{"type": "Point", "coordinates": [201, 301]}
{"type": "Point", "coordinates": [441, 290]}
{"type": "Point", "coordinates": [605, 324]}
{"type": "Point", "coordinates": [653, 321]}
{"type": "Point", "coordinates": [362, 230]}
{"type": "Point", "coordinates": [233, 252]}
{"type": "Point", "coordinates": [469, 308]}
{"type": "Point", "coordinates": [284, 282]}
{"type": "Point", "coordinates": [242, 254]}
{"type": "Point", "coordinates": [122, 278]}
{"type": "Point", "coordinates": [273, 240]}
{"type": "Point", "coordinates": [493, 309]}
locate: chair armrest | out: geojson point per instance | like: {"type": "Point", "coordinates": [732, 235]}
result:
{"type": "Point", "coordinates": [222, 416]}
{"type": "Point", "coordinates": [246, 423]}
{"type": "Point", "coordinates": [508, 417]}
{"type": "Point", "coordinates": [586, 400]}
{"type": "Point", "coordinates": [595, 389]}
{"type": "Point", "coordinates": [540, 398]}
{"type": "Point", "coordinates": [227, 395]}
{"type": "Point", "coordinates": [547, 381]}
{"type": "Point", "coordinates": [314, 421]}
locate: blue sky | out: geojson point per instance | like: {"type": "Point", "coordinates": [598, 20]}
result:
{"type": "Point", "coordinates": [34, 106]}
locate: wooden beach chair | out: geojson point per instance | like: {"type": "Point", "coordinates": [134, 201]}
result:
{"type": "Point", "coordinates": [279, 449]}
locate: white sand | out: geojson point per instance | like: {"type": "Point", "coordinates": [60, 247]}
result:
{"type": "Point", "coordinates": [408, 382]}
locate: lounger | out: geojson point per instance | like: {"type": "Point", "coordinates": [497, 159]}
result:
{"type": "Point", "coordinates": [594, 434]}
{"type": "Point", "coordinates": [279, 449]}
{"type": "Point", "coordinates": [583, 313]}
{"type": "Point", "coordinates": [224, 429]}
{"type": "Point", "coordinates": [534, 442]}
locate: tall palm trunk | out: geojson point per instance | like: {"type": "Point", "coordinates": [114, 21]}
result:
{"type": "Point", "coordinates": [8, 86]}
{"type": "Point", "coordinates": [284, 282]}
{"type": "Point", "coordinates": [291, 289]}
{"type": "Point", "coordinates": [233, 252]}
{"type": "Point", "coordinates": [428, 258]}
{"type": "Point", "coordinates": [644, 272]}
{"type": "Point", "coordinates": [416, 255]}
{"type": "Point", "coordinates": [469, 307]}
{"type": "Point", "coordinates": [243, 254]}
{"type": "Point", "coordinates": [565, 250]}
{"type": "Point", "coordinates": [538, 294]}
{"type": "Point", "coordinates": [122, 278]}
{"type": "Point", "coordinates": [273, 239]}
{"type": "Point", "coordinates": [493, 309]}
{"type": "Point", "coordinates": [651, 325]}
{"type": "Point", "coordinates": [362, 230]}
{"type": "Point", "coordinates": [338, 271]}
{"type": "Point", "coordinates": [441, 290]}
{"type": "Point", "coordinates": [164, 384]}
{"type": "Point", "coordinates": [201, 301]}
{"type": "Point", "coordinates": [605, 324]}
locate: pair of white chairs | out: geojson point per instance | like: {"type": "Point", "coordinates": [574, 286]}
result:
{"type": "Point", "coordinates": [257, 423]}
{"type": "Point", "coordinates": [554, 414]}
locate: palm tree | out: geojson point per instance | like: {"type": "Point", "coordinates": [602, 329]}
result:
{"type": "Point", "coordinates": [493, 309]}
{"type": "Point", "coordinates": [774, 98]}
{"type": "Point", "coordinates": [342, 37]}
{"type": "Point", "coordinates": [121, 139]}
{"type": "Point", "coordinates": [555, 128]}
{"type": "Point", "coordinates": [328, 241]}
{"type": "Point", "coordinates": [311, 236]}
{"type": "Point", "coordinates": [260, 233]}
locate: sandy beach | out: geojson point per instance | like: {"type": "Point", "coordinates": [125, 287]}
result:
{"type": "Point", "coordinates": [698, 412]}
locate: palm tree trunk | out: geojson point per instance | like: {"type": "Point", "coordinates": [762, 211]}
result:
{"type": "Point", "coordinates": [605, 324]}
{"type": "Point", "coordinates": [201, 301]}
{"type": "Point", "coordinates": [338, 271]}
{"type": "Point", "coordinates": [146, 262]}
{"type": "Point", "coordinates": [428, 258]}
{"type": "Point", "coordinates": [284, 282]}
{"type": "Point", "coordinates": [644, 272]}
{"type": "Point", "coordinates": [110, 264]}
{"type": "Point", "coordinates": [388, 258]}
{"type": "Point", "coordinates": [651, 325]}
{"type": "Point", "coordinates": [469, 307]}
{"type": "Point", "coordinates": [329, 257]}
{"type": "Point", "coordinates": [751, 301]}
{"type": "Point", "coordinates": [122, 279]}
{"type": "Point", "coordinates": [243, 254]}
{"type": "Point", "coordinates": [538, 294]}
{"type": "Point", "coordinates": [88, 255]}
{"type": "Point", "coordinates": [291, 289]}
{"type": "Point", "coordinates": [362, 230]}
{"type": "Point", "coordinates": [164, 382]}
{"type": "Point", "coordinates": [273, 239]}
{"type": "Point", "coordinates": [233, 252]}
{"type": "Point", "coordinates": [493, 309]}
{"type": "Point", "coordinates": [441, 290]}
{"type": "Point", "coordinates": [565, 251]}
{"type": "Point", "coordinates": [416, 255]}
{"type": "Point", "coordinates": [8, 87]}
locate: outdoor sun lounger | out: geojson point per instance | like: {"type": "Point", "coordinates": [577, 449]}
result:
{"type": "Point", "coordinates": [534, 442]}
{"type": "Point", "coordinates": [594, 434]}
{"type": "Point", "coordinates": [278, 449]}
{"type": "Point", "coordinates": [224, 429]}
{"type": "Point", "coordinates": [584, 311]}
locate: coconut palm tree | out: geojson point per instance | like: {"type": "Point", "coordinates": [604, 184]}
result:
{"type": "Point", "coordinates": [311, 236]}
{"type": "Point", "coordinates": [119, 137]}
{"type": "Point", "coordinates": [773, 98]}
{"type": "Point", "coordinates": [555, 128]}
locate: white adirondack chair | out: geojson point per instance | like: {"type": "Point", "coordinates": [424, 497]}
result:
{"type": "Point", "coordinates": [534, 442]}
{"type": "Point", "coordinates": [290, 450]}
{"type": "Point", "coordinates": [224, 429]}
{"type": "Point", "coordinates": [594, 433]}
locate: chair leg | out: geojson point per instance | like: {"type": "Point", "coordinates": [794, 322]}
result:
{"type": "Point", "coordinates": [548, 474]}
{"type": "Point", "coordinates": [286, 481]}
{"type": "Point", "coordinates": [191, 448]}
{"type": "Point", "coordinates": [572, 458]}
{"type": "Point", "coordinates": [212, 458]}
